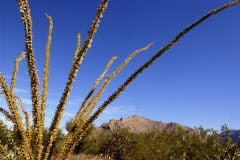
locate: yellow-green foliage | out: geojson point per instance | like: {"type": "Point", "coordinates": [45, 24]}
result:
{"type": "Point", "coordinates": [176, 144]}
{"type": "Point", "coordinates": [31, 136]}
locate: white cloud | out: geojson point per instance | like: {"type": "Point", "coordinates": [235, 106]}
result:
{"type": "Point", "coordinates": [28, 101]}
{"type": "Point", "coordinates": [52, 103]}
{"type": "Point", "coordinates": [20, 79]}
{"type": "Point", "coordinates": [75, 102]}
{"type": "Point", "coordinates": [1, 100]}
{"type": "Point", "coordinates": [21, 91]}
{"type": "Point", "coordinates": [118, 110]}
{"type": "Point", "coordinates": [67, 115]}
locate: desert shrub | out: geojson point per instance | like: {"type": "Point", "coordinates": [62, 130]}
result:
{"type": "Point", "coordinates": [119, 145]}
{"type": "Point", "coordinates": [9, 149]}
{"type": "Point", "coordinates": [166, 145]}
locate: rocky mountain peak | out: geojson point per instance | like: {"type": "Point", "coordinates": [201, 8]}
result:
{"type": "Point", "coordinates": [139, 124]}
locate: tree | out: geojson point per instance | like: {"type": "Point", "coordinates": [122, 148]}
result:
{"type": "Point", "coordinates": [88, 111]}
{"type": "Point", "coordinates": [118, 145]}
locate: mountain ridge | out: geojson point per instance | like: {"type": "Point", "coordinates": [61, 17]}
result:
{"type": "Point", "coordinates": [140, 124]}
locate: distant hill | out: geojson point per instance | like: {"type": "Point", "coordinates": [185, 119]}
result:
{"type": "Point", "coordinates": [139, 124]}
{"type": "Point", "coordinates": [235, 135]}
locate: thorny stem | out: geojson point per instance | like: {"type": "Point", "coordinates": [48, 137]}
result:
{"type": "Point", "coordinates": [72, 74]}
{"type": "Point", "coordinates": [82, 117]}
{"type": "Point", "coordinates": [12, 105]}
{"type": "Point", "coordinates": [78, 48]}
{"type": "Point", "coordinates": [36, 112]}
{"type": "Point", "coordinates": [46, 74]}
{"type": "Point", "coordinates": [15, 70]}
{"type": "Point", "coordinates": [27, 119]}
{"type": "Point", "coordinates": [46, 67]}
{"type": "Point", "coordinates": [92, 103]}
{"type": "Point", "coordinates": [79, 116]}
{"type": "Point", "coordinates": [95, 84]}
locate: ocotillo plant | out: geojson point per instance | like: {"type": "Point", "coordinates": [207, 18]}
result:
{"type": "Point", "coordinates": [31, 135]}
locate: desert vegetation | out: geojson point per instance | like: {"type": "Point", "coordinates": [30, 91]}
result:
{"type": "Point", "coordinates": [176, 143]}
{"type": "Point", "coordinates": [166, 145]}
{"type": "Point", "coordinates": [29, 139]}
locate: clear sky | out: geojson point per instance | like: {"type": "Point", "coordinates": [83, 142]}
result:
{"type": "Point", "coordinates": [196, 83]}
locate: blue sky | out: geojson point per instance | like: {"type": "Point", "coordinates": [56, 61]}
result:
{"type": "Point", "coordinates": [196, 83]}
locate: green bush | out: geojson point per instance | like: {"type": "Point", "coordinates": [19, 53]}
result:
{"type": "Point", "coordinates": [166, 145]}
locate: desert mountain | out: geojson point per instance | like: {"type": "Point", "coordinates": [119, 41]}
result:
{"type": "Point", "coordinates": [139, 124]}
